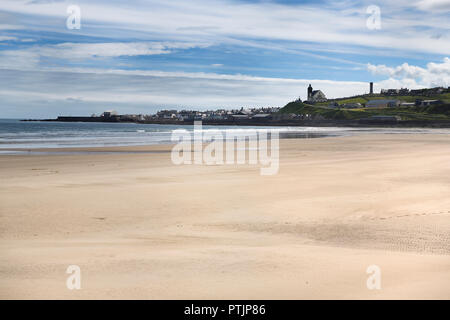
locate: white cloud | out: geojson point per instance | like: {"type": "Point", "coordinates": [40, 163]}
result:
{"type": "Point", "coordinates": [7, 38]}
{"type": "Point", "coordinates": [10, 26]}
{"type": "Point", "coordinates": [435, 74]}
{"type": "Point", "coordinates": [156, 90]}
{"type": "Point", "coordinates": [70, 50]}
{"type": "Point", "coordinates": [403, 71]}
{"type": "Point", "coordinates": [18, 59]}
{"type": "Point", "coordinates": [438, 5]}
{"type": "Point", "coordinates": [335, 28]}
{"type": "Point", "coordinates": [89, 50]}
{"type": "Point", "coordinates": [222, 20]}
{"type": "Point", "coordinates": [440, 68]}
{"type": "Point", "coordinates": [28, 59]}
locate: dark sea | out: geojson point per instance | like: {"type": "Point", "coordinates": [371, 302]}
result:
{"type": "Point", "coordinates": [16, 134]}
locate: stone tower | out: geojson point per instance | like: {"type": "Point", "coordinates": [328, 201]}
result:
{"type": "Point", "coordinates": [310, 90]}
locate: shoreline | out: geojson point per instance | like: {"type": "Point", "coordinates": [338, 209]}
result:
{"type": "Point", "coordinates": [361, 123]}
{"type": "Point", "coordinates": [154, 147]}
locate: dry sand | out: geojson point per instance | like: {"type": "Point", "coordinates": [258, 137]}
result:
{"type": "Point", "coordinates": [140, 227]}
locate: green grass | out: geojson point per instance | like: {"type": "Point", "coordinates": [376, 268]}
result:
{"type": "Point", "coordinates": [361, 100]}
{"type": "Point", "coordinates": [445, 97]}
{"type": "Point", "coordinates": [434, 112]}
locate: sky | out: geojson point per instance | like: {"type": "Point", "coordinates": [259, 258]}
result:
{"type": "Point", "coordinates": [141, 56]}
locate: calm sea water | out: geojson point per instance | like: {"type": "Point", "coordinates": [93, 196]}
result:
{"type": "Point", "coordinates": [18, 134]}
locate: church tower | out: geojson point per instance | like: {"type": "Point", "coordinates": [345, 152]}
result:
{"type": "Point", "coordinates": [310, 90]}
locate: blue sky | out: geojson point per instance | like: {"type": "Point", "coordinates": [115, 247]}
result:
{"type": "Point", "coordinates": [140, 56]}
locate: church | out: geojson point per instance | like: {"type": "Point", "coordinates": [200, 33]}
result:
{"type": "Point", "coordinates": [315, 96]}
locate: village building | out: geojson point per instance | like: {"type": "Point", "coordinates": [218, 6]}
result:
{"type": "Point", "coordinates": [315, 96]}
{"type": "Point", "coordinates": [426, 103]}
{"type": "Point", "coordinates": [382, 103]}
{"type": "Point", "coordinates": [352, 105]}
{"type": "Point", "coordinates": [333, 105]}
{"type": "Point", "coordinates": [262, 116]}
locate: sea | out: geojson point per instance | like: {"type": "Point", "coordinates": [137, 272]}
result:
{"type": "Point", "coordinates": [16, 134]}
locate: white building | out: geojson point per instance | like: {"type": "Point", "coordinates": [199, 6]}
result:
{"type": "Point", "coordinates": [315, 95]}
{"type": "Point", "coordinates": [382, 103]}
{"type": "Point", "coordinates": [352, 105]}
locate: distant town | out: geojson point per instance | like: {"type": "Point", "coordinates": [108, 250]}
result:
{"type": "Point", "coordinates": [192, 115]}
{"type": "Point", "coordinates": [390, 106]}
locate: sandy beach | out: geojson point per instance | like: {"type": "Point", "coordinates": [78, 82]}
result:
{"type": "Point", "coordinates": [140, 227]}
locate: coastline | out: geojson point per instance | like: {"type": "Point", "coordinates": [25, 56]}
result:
{"type": "Point", "coordinates": [140, 227]}
{"type": "Point", "coordinates": [31, 137]}
{"type": "Point", "coordinates": [134, 149]}
{"type": "Point", "coordinates": [361, 123]}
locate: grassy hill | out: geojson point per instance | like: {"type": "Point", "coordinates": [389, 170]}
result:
{"type": "Point", "coordinates": [445, 97]}
{"type": "Point", "coordinates": [434, 112]}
